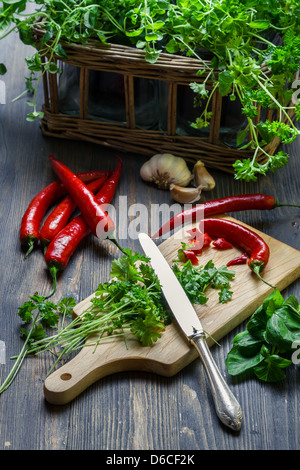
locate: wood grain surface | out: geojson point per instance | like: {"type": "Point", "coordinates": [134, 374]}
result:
{"type": "Point", "coordinates": [172, 352]}
{"type": "Point", "coordinates": [129, 410]}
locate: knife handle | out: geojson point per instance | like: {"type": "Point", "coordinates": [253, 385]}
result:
{"type": "Point", "coordinates": [227, 407]}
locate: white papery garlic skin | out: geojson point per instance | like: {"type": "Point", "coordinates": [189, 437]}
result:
{"type": "Point", "coordinates": [165, 169]}
{"type": "Point", "coordinates": [185, 195]}
{"type": "Point", "coordinates": [202, 177]}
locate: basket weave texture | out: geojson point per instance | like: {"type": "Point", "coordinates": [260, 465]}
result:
{"type": "Point", "coordinates": [175, 72]}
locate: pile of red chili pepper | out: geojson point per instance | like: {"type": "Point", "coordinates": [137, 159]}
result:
{"type": "Point", "coordinates": [90, 192]}
{"type": "Point", "coordinates": [222, 234]}
{"type": "Point", "coordinates": [226, 232]}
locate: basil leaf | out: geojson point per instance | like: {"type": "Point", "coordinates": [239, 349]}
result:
{"type": "Point", "coordinates": [283, 329]}
{"type": "Point", "coordinates": [237, 363]}
{"type": "Point", "coordinates": [247, 344]}
{"type": "Point", "coordinates": [257, 323]}
{"type": "Point", "coordinates": [293, 303]}
{"type": "Point", "coordinates": [270, 370]}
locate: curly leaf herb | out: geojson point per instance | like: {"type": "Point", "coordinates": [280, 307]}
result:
{"type": "Point", "coordinates": [130, 303]}
{"type": "Point", "coordinates": [37, 314]}
{"type": "Point", "coordinates": [253, 49]}
{"type": "Point", "coordinates": [195, 280]}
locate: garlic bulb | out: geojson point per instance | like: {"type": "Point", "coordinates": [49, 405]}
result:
{"type": "Point", "coordinates": [165, 169]}
{"type": "Point", "coordinates": [202, 177]}
{"type": "Point", "coordinates": [185, 195]}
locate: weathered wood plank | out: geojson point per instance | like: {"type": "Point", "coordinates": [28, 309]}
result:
{"type": "Point", "coordinates": [134, 410]}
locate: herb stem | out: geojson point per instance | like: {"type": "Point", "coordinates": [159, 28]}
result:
{"type": "Point", "coordinates": [19, 360]}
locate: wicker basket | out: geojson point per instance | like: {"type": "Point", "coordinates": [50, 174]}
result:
{"type": "Point", "coordinates": [172, 73]}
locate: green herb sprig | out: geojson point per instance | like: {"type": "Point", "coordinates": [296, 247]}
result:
{"type": "Point", "coordinates": [195, 280]}
{"type": "Point", "coordinates": [266, 347]}
{"type": "Point", "coordinates": [37, 315]}
{"type": "Point", "coordinates": [130, 303]}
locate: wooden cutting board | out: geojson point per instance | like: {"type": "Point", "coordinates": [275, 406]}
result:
{"type": "Point", "coordinates": [172, 352]}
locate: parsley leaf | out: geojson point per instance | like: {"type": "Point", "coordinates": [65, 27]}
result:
{"type": "Point", "coordinates": [196, 279]}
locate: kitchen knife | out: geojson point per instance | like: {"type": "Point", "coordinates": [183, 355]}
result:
{"type": "Point", "coordinates": [227, 406]}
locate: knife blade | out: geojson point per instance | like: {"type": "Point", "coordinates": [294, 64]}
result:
{"type": "Point", "coordinates": [227, 407]}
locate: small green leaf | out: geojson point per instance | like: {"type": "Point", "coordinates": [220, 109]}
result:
{"type": "Point", "coordinates": [259, 24]}
{"type": "Point", "coordinates": [225, 82]}
{"type": "Point", "coordinates": [242, 136]}
{"type": "Point", "coordinates": [248, 344]}
{"type": "Point", "coordinates": [172, 46]}
{"type": "Point", "coordinates": [152, 36]}
{"type": "Point", "coordinates": [135, 32]}
{"type": "Point", "coordinates": [59, 50]}
{"type": "Point", "coordinates": [157, 24]}
{"type": "Point", "coordinates": [35, 115]}
{"type": "Point", "coordinates": [140, 44]}
{"type": "Point", "coordinates": [89, 19]}
{"type": "Point", "coordinates": [152, 56]}
{"type": "Point", "coordinates": [4, 25]}
{"type": "Point", "coordinates": [264, 132]}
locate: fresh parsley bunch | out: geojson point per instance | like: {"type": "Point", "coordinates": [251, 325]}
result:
{"type": "Point", "coordinates": [268, 343]}
{"type": "Point", "coordinates": [130, 303]}
{"type": "Point", "coordinates": [195, 280]}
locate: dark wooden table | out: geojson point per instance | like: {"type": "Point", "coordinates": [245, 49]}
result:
{"type": "Point", "coordinates": [130, 410]}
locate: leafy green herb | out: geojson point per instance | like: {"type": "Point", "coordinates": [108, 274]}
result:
{"type": "Point", "coordinates": [237, 34]}
{"type": "Point", "coordinates": [130, 303]}
{"type": "Point", "coordinates": [266, 346]}
{"type": "Point", "coordinates": [196, 279]}
{"type": "Point", "coordinates": [37, 314]}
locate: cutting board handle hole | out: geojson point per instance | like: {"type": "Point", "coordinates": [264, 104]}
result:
{"type": "Point", "coordinates": [66, 376]}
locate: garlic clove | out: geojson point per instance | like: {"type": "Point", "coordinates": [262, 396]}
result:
{"type": "Point", "coordinates": [165, 169]}
{"type": "Point", "coordinates": [185, 195]}
{"type": "Point", "coordinates": [202, 177]}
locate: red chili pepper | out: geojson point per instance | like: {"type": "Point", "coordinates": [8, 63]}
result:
{"type": "Point", "coordinates": [200, 240]}
{"type": "Point", "coordinates": [191, 256]}
{"type": "Point", "coordinates": [242, 259]}
{"type": "Point", "coordinates": [66, 241]}
{"type": "Point", "coordinates": [96, 218]}
{"type": "Point", "coordinates": [206, 240]}
{"type": "Point", "coordinates": [196, 247]}
{"type": "Point", "coordinates": [246, 239]}
{"type": "Point", "coordinates": [221, 244]}
{"type": "Point", "coordinates": [221, 206]}
{"type": "Point", "coordinates": [35, 212]}
{"type": "Point", "coordinates": [60, 215]}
